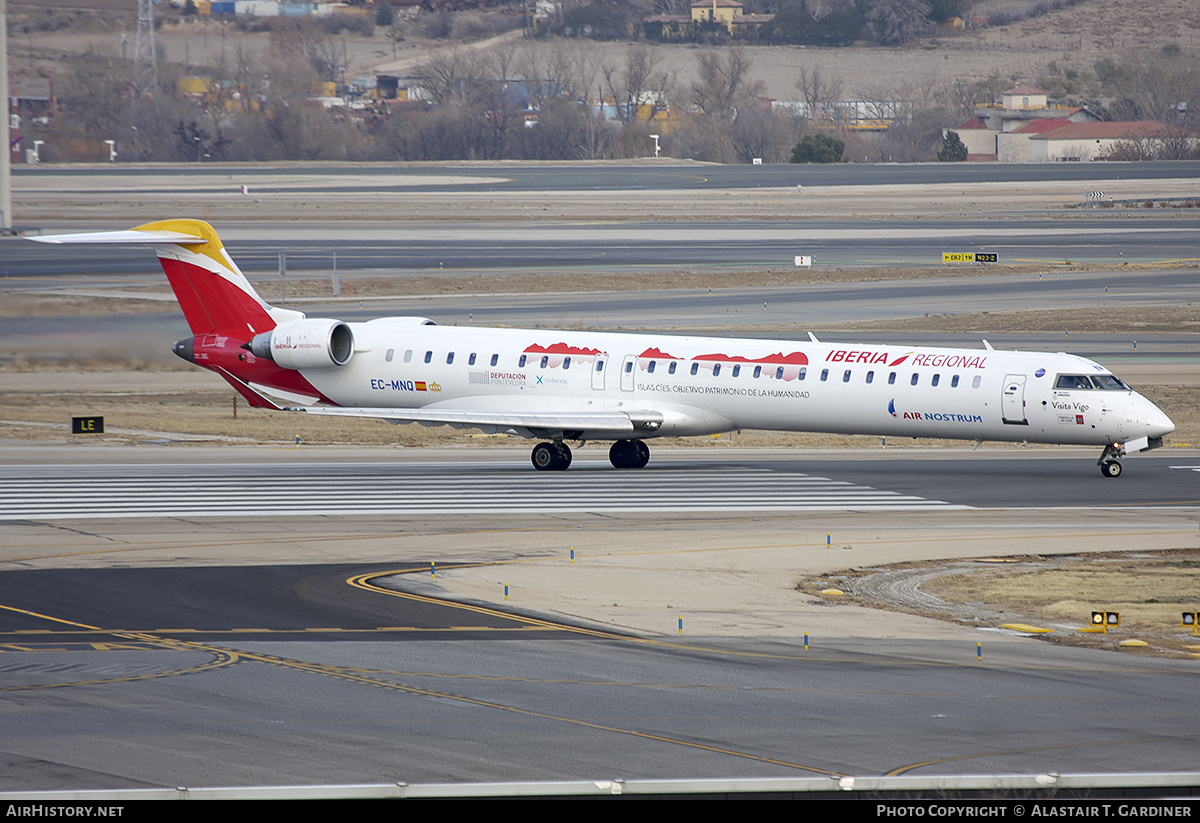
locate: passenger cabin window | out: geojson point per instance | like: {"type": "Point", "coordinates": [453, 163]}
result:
{"type": "Point", "coordinates": [390, 354]}
{"type": "Point", "coordinates": [779, 373]}
{"type": "Point", "coordinates": [846, 376]}
{"type": "Point", "coordinates": [870, 377]}
{"type": "Point", "coordinates": [495, 359]}
{"type": "Point", "coordinates": [599, 365]}
{"type": "Point", "coordinates": [671, 368]}
{"type": "Point", "coordinates": [428, 357]}
{"type": "Point", "coordinates": [545, 360]}
{"type": "Point", "coordinates": [471, 359]}
{"type": "Point", "coordinates": [758, 371]}
{"type": "Point", "coordinates": [629, 367]}
{"type": "Point", "coordinates": [408, 356]}
{"type": "Point", "coordinates": [737, 370]}
{"type": "Point", "coordinates": [803, 372]}
{"type": "Point", "coordinates": [566, 363]}
{"type": "Point", "coordinates": [650, 366]}
{"type": "Point", "coordinates": [954, 382]}
{"type": "Point", "coordinates": [915, 378]}
{"type": "Point", "coordinates": [716, 369]}
{"type": "Point", "coordinates": [935, 379]}
{"type": "Point", "coordinates": [695, 369]}
{"type": "Point", "coordinates": [521, 362]}
{"type": "Point", "coordinates": [976, 381]}
{"type": "Point", "coordinates": [892, 379]}
{"type": "Point", "coordinates": [824, 375]}
{"type": "Point", "coordinates": [449, 358]}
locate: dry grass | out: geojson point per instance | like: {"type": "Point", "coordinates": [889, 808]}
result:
{"type": "Point", "coordinates": [1150, 590]}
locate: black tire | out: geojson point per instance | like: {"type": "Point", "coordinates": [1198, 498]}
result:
{"type": "Point", "coordinates": [620, 454]}
{"type": "Point", "coordinates": [641, 455]}
{"type": "Point", "coordinates": [543, 457]}
{"type": "Point", "coordinates": [563, 453]}
{"type": "Point", "coordinates": [1110, 468]}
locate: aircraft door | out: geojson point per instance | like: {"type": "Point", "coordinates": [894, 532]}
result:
{"type": "Point", "coordinates": [628, 372]}
{"type": "Point", "coordinates": [598, 368]}
{"type": "Point", "coordinates": [1012, 403]}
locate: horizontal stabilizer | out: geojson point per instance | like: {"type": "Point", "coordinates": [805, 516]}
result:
{"type": "Point", "coordinates": [125, 237]}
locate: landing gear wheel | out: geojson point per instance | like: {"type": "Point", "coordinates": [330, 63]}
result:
{"type": "Point", "coordinates": [641, 454]}
{"type": "Point", "coordinates": [552, 457]}
{"type": "Point", "coordinates": [629, 454]}
{"type": "Point", "coordinates": [563, 452]}
{"type": "Point", "coordinates": [1109, 467]}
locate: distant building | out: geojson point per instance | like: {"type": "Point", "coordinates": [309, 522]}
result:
{"type": "Point", "coordinates": [1082, 142]}
{"type": "Point", "coordinates": [728, 14]}
{"type": "Point", "coordinates": [854, 115]}
{"type": "Point", "coordinates": [1001, 130]}
{"type": "Point", "coordinates": [717, 11]}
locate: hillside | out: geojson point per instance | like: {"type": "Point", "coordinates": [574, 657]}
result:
{"type": "Point", "coordinates": [1074, 37]}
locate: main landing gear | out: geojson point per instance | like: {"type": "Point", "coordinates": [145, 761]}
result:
{"type": "Point", "coordinates": [556, 456]}
{"type": "Point", "coordinates": [551, 457]}
{"type": "Point", "coordinates": [629, 454]}
{"type": "Point", "coordinates": [1109, 465]}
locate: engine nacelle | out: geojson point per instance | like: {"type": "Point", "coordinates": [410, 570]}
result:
{"type": "Point", "coordinates": [315, 343]}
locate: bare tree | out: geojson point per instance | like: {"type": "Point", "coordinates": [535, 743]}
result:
{"type": "Point", "coordinates": [765, 135]}
{"type": "Point", "coordinates": [817, 89]}
{"type": "Point", "coordinates": [637, 83]}
{"type": "Point", "coordinates": [1164, 86]}
{"type": "Point", "coordinates": [723, 82]}
{"type": "Point", "coordinates": [896, 22]}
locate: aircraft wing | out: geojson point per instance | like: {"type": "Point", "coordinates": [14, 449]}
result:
{"type": "Point", "coordinates": [538, 422]}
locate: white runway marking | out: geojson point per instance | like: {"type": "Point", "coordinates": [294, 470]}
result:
{"type": "Point", "coordinates": [53, 493]}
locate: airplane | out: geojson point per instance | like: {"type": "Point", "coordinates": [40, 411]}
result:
{"type": "Point", "coordinates": [575, 386]}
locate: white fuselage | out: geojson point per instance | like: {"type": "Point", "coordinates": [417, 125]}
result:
{"type": "Point", "coordinates": [705, 385]}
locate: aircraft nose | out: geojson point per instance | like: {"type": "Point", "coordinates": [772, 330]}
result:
{"type": "Point", "coordinates": [1157, 423]}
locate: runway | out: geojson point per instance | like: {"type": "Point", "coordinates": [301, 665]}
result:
{"type": "Point", "coordinates": [675, 482]}
{"type": "Point", "coordinates": [584, 247]}
{"type": "Point", "coordinates": [549, 177]}
{"type": "Point", "coordinates": [184, 490]}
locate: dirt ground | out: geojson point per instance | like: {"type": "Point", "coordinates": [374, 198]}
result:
{"type": "Point", "coordinates": [1052, 596]}
{"type": "Point", "coordinates": [43, 197]}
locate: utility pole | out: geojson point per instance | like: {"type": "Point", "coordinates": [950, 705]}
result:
{"type": "Point", "coordinates": [5, 138]}
{"type": "Point", "coordinates": [145, 54]}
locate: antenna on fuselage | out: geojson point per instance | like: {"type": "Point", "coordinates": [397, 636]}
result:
{"type": "Point", "coordinates": [988, 346]}
{"type": "Point", "coordinates": [813, 337]}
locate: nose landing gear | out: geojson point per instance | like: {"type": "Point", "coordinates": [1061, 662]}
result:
{"type": "Point", "coordinates": [1109, 465]}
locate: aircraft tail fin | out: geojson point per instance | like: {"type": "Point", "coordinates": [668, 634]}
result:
{"type": "Point", "coordinates": [215, 296]}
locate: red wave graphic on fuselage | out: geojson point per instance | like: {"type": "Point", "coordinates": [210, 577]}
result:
{"type": "Point", "coordinates": [658, 353]}
{"type": "Point", "coordinates": [561, 348]}
{"type": "Point", "coordinates": [794, 359]}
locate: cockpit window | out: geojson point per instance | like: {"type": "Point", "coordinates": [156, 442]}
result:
{"type": "Point", "coordinates": [1107, 381]}
{"type": "Point", "coordinates": [1073, 381]}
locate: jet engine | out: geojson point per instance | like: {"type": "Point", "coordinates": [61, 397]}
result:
{"type": "Point", "coordinates": [315, 343]}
